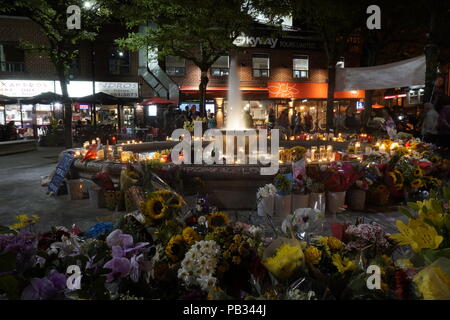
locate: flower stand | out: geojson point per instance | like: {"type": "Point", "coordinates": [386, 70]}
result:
{"type": "Point", "coordinates": [283, 205]}
{"type": "Point", "coordinates": [265, 206]}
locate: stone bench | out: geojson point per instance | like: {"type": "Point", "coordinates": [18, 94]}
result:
{"type": "Point", "coordinates": [17, 146]}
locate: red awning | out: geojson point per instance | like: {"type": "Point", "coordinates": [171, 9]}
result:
{"type": "Point", "coordinates": [157, 100]}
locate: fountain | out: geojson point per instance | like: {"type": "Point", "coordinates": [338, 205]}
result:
{"type": "Point", "coordinates": [235, 116]}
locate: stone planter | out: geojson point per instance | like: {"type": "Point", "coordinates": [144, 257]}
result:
{"type": "Point", "coordinates": [357, 199]}
{"type": "Point", "coordinates": [283, 205]}
{"type": "Point", "coordinates": [317, 201]}
{"type": "Point", "coordinates": [266, 206]}
{"type": "Point", "coordinates": [300, 201]}
{"type": "Point", "coordinates": [335, 200]}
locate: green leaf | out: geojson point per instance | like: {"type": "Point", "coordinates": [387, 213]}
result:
{"type": "Point", "coordinates": [430, 255]}
{"type": "Point", "coordinates": [8, 284]}
{"type": "Point", "coordinates": [7, 262]}
{"type": "Point", "coordinates": [406, 212]}
{"type": "Point", "coordinates": [6, 230]}
{"type": "Point", "coordinates": [446, 192]}
{"type": "Point", "coordinates": [413, 205]}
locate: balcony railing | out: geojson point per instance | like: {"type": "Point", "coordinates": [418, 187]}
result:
{"type": "Point", "coordinates": [12, 66]}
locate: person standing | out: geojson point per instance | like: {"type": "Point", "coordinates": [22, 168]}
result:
{"type": "Point", "coordinates": [389, 124]}
{"type": "Point", "coordinates": [430, 124]}
{"type": "Point", "coordinates": [211, 121]}
{"type": "Point", "coordinates": [308, 122]}
{"type": "Point", "coordinates": [351, 123]}
{"type": "Point", "coordinates": [271, 119]}
{"type": "Point", "coordinates": [298, 123]}
{"type": "Point", "coordinates": [11, 130]}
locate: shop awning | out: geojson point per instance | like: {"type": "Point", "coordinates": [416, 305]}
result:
{"type": "Point", "coordinates": [7, 100]}
{"type": "Point", "coordinates": [99, 98]}
{"type": "Point", "coordinates": [157, 100]}
{"type": "Point", "coordinates": [43, 98]}
{"type": "Point", "coordinates": [377, 106]}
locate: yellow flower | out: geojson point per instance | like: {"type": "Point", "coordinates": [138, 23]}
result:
{"type": "Point", "coordinates": [190, 235]}
{"type": "Point", "coordinates": [433, 283]}
{"type": "Point", "coordinates": [417, 183]}
{"type": "Point", "coordinates": [418, 172]}
{"type": "Point", "coordinates": [335, 243]}
{"type": "Point", "coordinates": [394, 177]}
{"type": "Point", "coordinates": [313, 255]}
{"type": "Point", "coordinates": [286, 260]}
{"type": "Point", "coordinates": [418, 234]}
{"type": "Point", "coordinates": [431, 210]}
{"type": "Point", "coordinates": [24, 221]}
{"type": "Point", "coordinates": [404, 263]}
{"type": "Point", "coordinates": [218, 219]}
{"type": "Point", "coordinates": [172, 199]}
{"type": "Point", "coordinates": [154, 208]}
{"type": "Point", "coordinates": [175, 248]}
{"type": "Point", "coordinates": [343, 265]}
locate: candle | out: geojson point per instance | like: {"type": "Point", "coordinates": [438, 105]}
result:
{"type": "Point", "coordinates": [358, 147]}
{"type": "Point", "coordinates": [330, 155]}
{"type": "Point", "coordinates": [100, 154]}
{"type": "Point", "coordinates": [77, 153]}
{"type": "Point", "coordinates": [383, 148]}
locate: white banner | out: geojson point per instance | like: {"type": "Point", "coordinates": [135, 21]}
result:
{"type": "Point", "coordinates": [405, 73]}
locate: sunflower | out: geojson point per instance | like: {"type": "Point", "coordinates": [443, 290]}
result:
{"type": "Point", "coordinates": [394, 177]}
{"type": "Point", "coordinates": [418, 172]}
{"type": "Point", "coordinates": [190, 235]}
{"type": "Point", "coordinates": [155, 208]}
{"type": "Point", "coordinates": [398, 187]}
{"type": "Point", "coordinates": [417, 183]}
{"type": "Point", "coordinates": [172, 199]}
{"type": "Point", "coordinates": [175, 248]}
{"type": "Point", "coordinates": [218, 219]}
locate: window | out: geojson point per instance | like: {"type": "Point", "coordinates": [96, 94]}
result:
{"type": "Point", "coordinates": [221, 67]}
{"type": "Point", "coordinates": [175, 66]}
{"type": "Point", "coordinates": [300, 67]}
{"type": "Point", "coordinates": [340, 63]}
{"type": "Point", "coordinates": [261, 65]}
{"type": "Point", "coordinates": [12, 58]}
{"type": "Point", "coordinates": [119, 61]}
{"type": "Point", "coordinates": [415, 96]}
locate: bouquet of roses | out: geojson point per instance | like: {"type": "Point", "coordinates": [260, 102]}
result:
{"type": "Point", "coordinates": [340, 176]}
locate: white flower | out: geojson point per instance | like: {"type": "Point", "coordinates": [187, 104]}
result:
{"type": "Point", "coordinates": [255, 231]}
{"type": "Point", "coordinates": [268, 190]}
{"type": "Point", "coordinates": [202, 220]}
{"type": "Point", "coordinates": [300, 221]}
{"type": "Point", "coordinates": [207, 282]}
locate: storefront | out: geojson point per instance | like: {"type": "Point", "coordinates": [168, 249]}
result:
{"type": "Point", "coordinates": [22, 115]}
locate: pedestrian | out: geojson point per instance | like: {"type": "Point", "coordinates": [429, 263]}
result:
{"type": "Point", "coordinates": [308, 122]}
{"type": "Point", "coordinates": [389, 124]}
{"type": "Point", "coordinates": [444, 123]}
{"type": "Point", "coordinates": [211, 121]}
{"type": "Point", "coordinates": [271, 119]}
{"type": "Point", "coordinates": [351, 123]}
{"type": "Point", "coordinates": [11, 130]}
{"type": "Point", "coordinates": [248, 119]}
{"type": "Point", "coordinates": [298, 123]}
{"type": "Point", "coordinates": [430, 124]}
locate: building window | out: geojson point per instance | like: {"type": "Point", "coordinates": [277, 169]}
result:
{"type": "Point", "coordinates": [221, 67]}
{"type": "Point", "coordinates": [119, 61]}
{"type": "Point", "coordinates": [12, 58]}
{"type": "Point", "coordinates": [340, 63]}
{"type": "Point", "coordinates": [175, 66]}
{"type": "Point", "coordinates": [261, 65]}
{"type": "Point", "coordinates": [300, 67]}
{"type": "Point", "coordinates": [415, 96]}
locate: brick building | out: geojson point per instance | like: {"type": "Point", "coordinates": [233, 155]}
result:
{"type": "Point", "coordinates": [101, 67]}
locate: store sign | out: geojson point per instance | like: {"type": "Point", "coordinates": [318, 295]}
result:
{"type": "Point", "coordinates": [403, 95]}
{"type": "Point", "coordinates": [247, 41]}
{"type": "Point", "coordinates": [76, 89]}
{"type": "Point", "coordinates": [25, 88]}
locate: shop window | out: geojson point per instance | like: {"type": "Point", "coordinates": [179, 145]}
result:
{"type": "Point", "coordinates": [12, 58]}
{"type": "Point", "coordinates": [119, 61]}
{"type": "Point", "coordinates": [175, 66]}
{"type": "Point", "coordinates": [261, 65]}
{"type": "Point", "coordinates": [221, 67]}
{"type": "Point", "coordinates": [415, 96]}
{"type": "Point", "coordinates": [300, 67]}
{"type": "Point", "coordinates": [340, 63]}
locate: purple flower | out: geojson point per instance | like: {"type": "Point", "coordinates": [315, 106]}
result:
{"type": "Point", "coordinates": [45, 288]}
{"type": "Point", "coordinates": [23, 244]}
{"type": "Point", "coordinates": [120, 268]}
{"type": "Point", "coordinates": [118, 238]}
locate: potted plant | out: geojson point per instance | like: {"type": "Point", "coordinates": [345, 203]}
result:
{"type": "Point", "coordinates": [265, 198]}
{"type": "Point", "coordinates": [283, 198]}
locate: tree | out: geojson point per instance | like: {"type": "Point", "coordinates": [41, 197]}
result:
{"type": "Point", "coordinates": [199, 31]}
{"type": "Point", "coordinates": [62, 48]}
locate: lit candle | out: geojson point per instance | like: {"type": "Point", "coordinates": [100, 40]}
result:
{"type": "Point", "coordinates": [383, 148]}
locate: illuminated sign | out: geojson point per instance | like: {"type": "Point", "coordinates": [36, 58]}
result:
{"type": "Point", "coordinates": [395, 96]}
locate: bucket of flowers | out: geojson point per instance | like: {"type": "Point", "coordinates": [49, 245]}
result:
{"type": "Point", "coordinates": [283, 197]}
{"type": "Point", "coordinates": [265, 198]}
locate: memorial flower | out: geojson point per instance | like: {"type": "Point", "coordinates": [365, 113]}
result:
{"type": "Point", "coordinates": [313, 255]}
{"type": "Point", "coordinates": [155, 208]}
{"type": "Point", "coordinates": [175, 248]}
{"type": "Point", "coordinates": [190, 235]}
{"type": "Point", "coordinates": [218, 219]}
{"type": "Point", "coordinates": [418, 234]}
{"type": "Point", "coordinates": [343, 264]}
{"type": "Point", "coordinates": [285, 261]}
